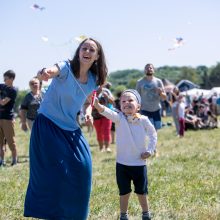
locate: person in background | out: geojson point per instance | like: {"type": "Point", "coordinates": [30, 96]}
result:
{"type": "Point", "coordinates": [152, 91]}
{"type": "Point", "coordinates": [8, 94]}
{"type": "Point", "coordinates": [181, 115]}
{"type": "Point", "coordinates": [132, 130]}
{"type": "Point", "coordinates": [212, 121]}
{"type": "Point", "coordinates": [111, 104]}
{"type": "Point", "coordinates": [60, 158]}
{"type": "Point", "coordinates": [213, 106]}
{"type": "Point", "coordinates": [117, 101]}
{"type": "Point", "coordinates": [116, 108]}
{"type": "Point", "coordinates": [30, 104]}
{"type": "Point", "coordinates": [191, 120]}
{"type": "Point", "coordinates": [174, 108]}
{"type": "Point", "coordinates": [101, 123]}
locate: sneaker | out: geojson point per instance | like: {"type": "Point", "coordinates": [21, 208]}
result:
{"type": "Point", "coordinates": [124, 216]}
{"type": "Point", "coordinates": [108, 150]}
{"type": "Point", "coordinates": [146, 216]}
{"type": "Point", "coordinates": [14, 162]}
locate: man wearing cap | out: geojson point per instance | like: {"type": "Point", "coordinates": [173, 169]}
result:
{"type": "Point", "coordinates": [152, 91]}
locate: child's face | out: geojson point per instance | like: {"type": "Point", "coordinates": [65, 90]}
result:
{"type": "Point", "coordinates": [8, 81]}
{"type": "Point", "coordinates": [129, 104]}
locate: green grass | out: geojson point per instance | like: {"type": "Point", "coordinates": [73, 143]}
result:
{"type": "Point", "coordinates": [184, 180]}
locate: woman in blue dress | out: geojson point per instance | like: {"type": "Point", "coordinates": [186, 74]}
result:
{"type": "Point", "coordinates": [60, 159]}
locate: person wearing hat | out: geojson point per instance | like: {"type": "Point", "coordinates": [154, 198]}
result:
{"type": "Point", "coordinates": [132, 130]}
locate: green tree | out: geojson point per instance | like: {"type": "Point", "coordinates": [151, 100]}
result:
{"type": "Point", "coordinates": [119, 88]}
{"type": "Point", "coordinates": [125, 78]}
{"type": "Point", "coordinates": [132, 83]}
{"type": "Point", "coordinates": [172, 73]}
{"type": "Point", "coordinates": [190, 74]}
{"type": "Point", "coordinates": [203, 73]}
{"type": "Point", "coordinates": [214, 77]}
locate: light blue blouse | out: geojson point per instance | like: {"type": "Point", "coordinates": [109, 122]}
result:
{"type": "Point", "coordinates": [65, 97]}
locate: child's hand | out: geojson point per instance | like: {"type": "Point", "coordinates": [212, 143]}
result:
{"type": "Point", "coordinates": [98, 106]}
{"type": "Point", "coordinates": [96, 102]}
{"type": "Point", "coordinates": [94, 94]}
{"type": "Point", "coordinates": [145, 155]}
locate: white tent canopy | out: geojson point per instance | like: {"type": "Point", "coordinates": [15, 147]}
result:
{"type": "Point", "coordinates": [197, 92]}
{"type": "Point", "coordinates": [216, 90]}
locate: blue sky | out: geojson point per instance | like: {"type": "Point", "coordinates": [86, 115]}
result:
{"type": "Point", "coordinates": [132, 33]}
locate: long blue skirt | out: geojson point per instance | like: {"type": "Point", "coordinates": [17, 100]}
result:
{"type": "Point", "coordinates": [60, 173]}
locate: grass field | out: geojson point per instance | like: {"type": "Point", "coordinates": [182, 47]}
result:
{"type": "Point", "coordinates": [184, 180]}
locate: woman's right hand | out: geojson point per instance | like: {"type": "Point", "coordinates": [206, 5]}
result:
{"type": "Point", "coordinates": [48, 73]}
{"type": "Point", "coordinates": [44, 74]}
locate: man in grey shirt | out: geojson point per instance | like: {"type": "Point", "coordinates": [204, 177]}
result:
{"type": "Point", "coordinates": [151, 90]}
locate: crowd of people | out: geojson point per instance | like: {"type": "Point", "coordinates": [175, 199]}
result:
{"type": "Point", "coordinates": [60, 159]}
{"type": "Point", "coordinates": [196, 112]}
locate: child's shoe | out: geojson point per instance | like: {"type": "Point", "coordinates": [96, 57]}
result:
{"type": "Point", "coordinates": [124, 216]}
{"type": "Point", "coordinates": [146, 216]}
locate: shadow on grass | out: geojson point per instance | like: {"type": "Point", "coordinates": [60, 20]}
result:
{"type": "Point", "coordinates": [23, 159]}
{"type": "Point", "coordinates": [108, 160]}
{"type": "Point", "coordinates": [93, 145]}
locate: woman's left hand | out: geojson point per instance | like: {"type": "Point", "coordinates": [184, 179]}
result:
{"type": "Point", "coordinates": [88, 119]}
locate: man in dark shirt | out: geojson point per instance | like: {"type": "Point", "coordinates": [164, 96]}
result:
{"type": "Point", "coordinates": [7, 100]}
